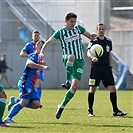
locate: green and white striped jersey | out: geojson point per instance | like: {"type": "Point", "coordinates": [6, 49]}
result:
{"type": "Point", "coordinates": [71, 41]}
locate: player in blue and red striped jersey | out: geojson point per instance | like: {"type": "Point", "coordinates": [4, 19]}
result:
{"type": "Point", "coordinates": [29, 48]}
{"type": "Point", "coordinates": [28, 95]}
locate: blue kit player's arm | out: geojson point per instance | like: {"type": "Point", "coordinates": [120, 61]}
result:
{"type": "Point", "coordinates": [27, 49]}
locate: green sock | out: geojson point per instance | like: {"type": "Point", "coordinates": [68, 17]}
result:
{"type": "Point", "coordinates": [69, 94]}
{"type": "Point", "coordinates": [69, 70]}
{"type": "Point", "coordinates": [2, 107]}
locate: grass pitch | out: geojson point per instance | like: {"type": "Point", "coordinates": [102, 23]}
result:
{"type": "Point", "coordinates": [75, 116]}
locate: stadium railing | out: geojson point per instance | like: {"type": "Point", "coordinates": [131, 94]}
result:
{"type": "Point", "coordinates": [123, 77]}
{"type": "Point", "coordinates": [30, 17]}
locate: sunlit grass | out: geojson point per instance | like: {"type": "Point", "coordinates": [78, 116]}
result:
{"type": "Point", "coordinates": [75, 116]}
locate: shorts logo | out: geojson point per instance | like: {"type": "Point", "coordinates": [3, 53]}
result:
{"type": "Point", "coordinates": [91, 81]}
{"type": "Point", "coordinates": [79, 70]}
{"type": "Point", "coordinates": [29, 90]}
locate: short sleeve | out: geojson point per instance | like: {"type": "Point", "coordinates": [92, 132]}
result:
{"type": "Point", "coordinates": [111, 46]}
{"type": "Point", "coordinates": [89, 45]}
{"type": "Point", "coordinates": [56, 35]}
{"type": "Point", "coordinates": [25, 48]}
{"type": "Point", "coordinates": [82, 29]}
{"type": "Point", "coordinates": [110, 43]}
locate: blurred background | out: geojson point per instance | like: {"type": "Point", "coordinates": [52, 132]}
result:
{"type": "Point", "coordinates": [19, 18]}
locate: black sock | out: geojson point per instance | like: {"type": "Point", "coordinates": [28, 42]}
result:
{"type": "Point", "coordinates": [113, 99]}
{"type": "Point", "coordinates": [90, 101]}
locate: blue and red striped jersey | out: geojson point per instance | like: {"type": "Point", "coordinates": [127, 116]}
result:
{"type": "Point", "coordinates": [30, 74]}
{"type": "Point", "coordinates": [29, 48]}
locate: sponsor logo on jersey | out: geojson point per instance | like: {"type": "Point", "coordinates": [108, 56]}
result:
{"type": "Point", "coordinates": [71, 38]}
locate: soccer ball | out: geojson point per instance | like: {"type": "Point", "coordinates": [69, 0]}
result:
{"type": "Point", "coordinates": [96, 50]}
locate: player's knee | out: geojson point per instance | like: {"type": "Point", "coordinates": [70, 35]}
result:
{"type": "Point", "coordinates": [71, 58]}
{"type": "Point", "coordinates": [3, 94]}
{"type": "Point", "coordinates": [38, 85]}
{"type": "Point", "coordinates": [74, 87]}
{"type": "Point", "coordinates": [36, 106]}
{"type": "Point", "coordinates": [112, 89]}
{"type": "Point", "coordinates": [92, 89]}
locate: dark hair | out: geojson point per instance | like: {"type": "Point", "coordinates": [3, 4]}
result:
{"type": "Point", "coordinates": [35, 31]}
{"type": "Point", "coordinates": [40, 41]}
{"type": "Point", "coordinates": [99, 24]}
{"type": "Point", "coordinates": [70, 15]}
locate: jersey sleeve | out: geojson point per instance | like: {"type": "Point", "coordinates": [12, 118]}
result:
{"type": "Point", "coordinates": [56, 35]}
{"type": "Point", "coordinates": [110, 45]}
{"type": "Point", "coordinates": [82, 29]}
{"type": "Point", "coordinates": [25, 48]}
{"type": "Point", "coordinates": [89, 45]}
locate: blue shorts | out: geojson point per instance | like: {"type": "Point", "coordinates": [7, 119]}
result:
{"type": "Point", "coordinates": [27, 91]}
{"type": "Point", "coordinates": [41, 75]}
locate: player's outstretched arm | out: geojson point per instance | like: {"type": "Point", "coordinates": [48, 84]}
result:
{"type": "Point", "coordinates": [90, 36]}
{"type": "Point", "coordinates": [48, 42]}
{"type": "Point", "coordinates": [32, 64]}
{"type": "Point", "coordinates": [47, 68]}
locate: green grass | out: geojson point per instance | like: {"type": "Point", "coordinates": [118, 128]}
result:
{"type": "Point", "coordinates": [74, 118]}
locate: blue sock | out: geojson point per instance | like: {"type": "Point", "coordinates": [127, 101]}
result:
{"type": "Point", "coordinates": [15, 110]}
{"type": "Point", "coordinates": [39, 91]}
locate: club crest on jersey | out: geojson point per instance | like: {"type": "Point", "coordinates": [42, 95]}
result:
{"type": "Point", "coordinates": [107, 48]}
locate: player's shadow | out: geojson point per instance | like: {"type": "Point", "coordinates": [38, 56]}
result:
{"type": "Point", "coordinates": [109, 126]}
{"type": "Point", "coordinates": [128, 117]}
{"type": "Point", "coordinates": [76, 123]}
{"type": "Point", "coordinates": [13, 126]}
{"type": "Point", "coordinates": [65, 109]}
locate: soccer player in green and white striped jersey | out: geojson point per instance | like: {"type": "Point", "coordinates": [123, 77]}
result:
{"type": "Point", "coordinates": [72, 55]}
{"type": "Point", "coordinates": [3, 98]}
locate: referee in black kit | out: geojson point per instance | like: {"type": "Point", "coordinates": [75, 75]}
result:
{"type": "Point", "coordinates": [101, 70]}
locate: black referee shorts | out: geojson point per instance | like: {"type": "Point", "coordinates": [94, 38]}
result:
{"type": "Point", "coordinates": [101, 73]}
